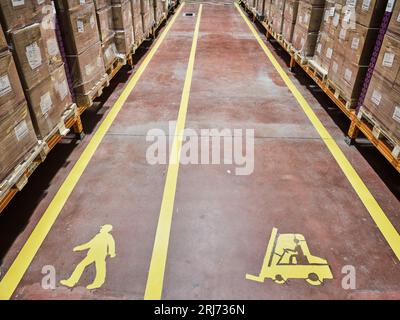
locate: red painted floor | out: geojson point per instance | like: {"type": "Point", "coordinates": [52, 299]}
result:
{"type": "Point", "coordinates": [222, 222]}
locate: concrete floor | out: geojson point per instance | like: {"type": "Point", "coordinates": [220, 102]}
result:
{"type": "Point", "coordinates": [221, 222]}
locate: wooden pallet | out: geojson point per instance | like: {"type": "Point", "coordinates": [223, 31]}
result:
{"type": "Point", "coordinates": [19, 177]}
{"type": "Point", "coordinates": [317, 71]}
{"type": "Point", "coordinates": [339, 95]}
{"type": "Point", "coordinates": [86, 101]}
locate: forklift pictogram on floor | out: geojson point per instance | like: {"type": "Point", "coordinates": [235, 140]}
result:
{"type": "Point", "coordinates": [288, 257]}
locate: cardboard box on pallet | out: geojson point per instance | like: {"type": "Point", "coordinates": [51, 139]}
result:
{"type": "Point", "coordinates": [11, 93]}
{"type": "Point", "coordinates": [388, 63]}
{"type": "Point", "coordinates": [324, 50]}
{"type": "Point", "coordinates": [145, 6]}
{"type": "Point", "coordinates": [65, 5]}
{"type": "Point", "coordinates": [290, 11]}
{"type": "Point", "coordinates": [304, 42]}
{"type": "Point", "coordinates": [122, 15]}
{"type": "Point", "coordinates": [105, 23]}
{"type": "Point", "coordinates": [100, 4]}
{"type": "Point", "coordinates": [17, 137]}
{"type": "Point", "coordinates": [351, 79]}
{"type": "Point", "coordinates": [383, 102]}
{"type": "Point", "coordinates": [368, 13]}
{"type": "Point", "coordinates": [18, 13]}
{"type": "Point", "coordinates": [87, 69]}
{"type": "Point", "coordinates": [309, 17]}
{"type": "Point", "coordinates": [124, 40]}
{"type": "Point", "coordinates": [159, 8]}
{"type": "Point", "coordinates": [276, 15]}
{"type": "Point", "coordinates": [331, 19]}
{"type": "Point", "coordinates": [52, 50]}
{"type": "Point", "coordinates": [30, 54]}
{"type": "Point", "coordinates": [394, 25]}
{"type": "Point", "coordinates": [3, 41]}
{"type": "Point", "coordinates": [135, 7]}
{"type": "Point", "coordinates": [137, 27]}
{"type": "Point", "coordinates": [335, 68]}
{"type": "Point", "coordinates": [357, 44]}
{"type": "Point", "coordinates": [287, 30]}
{"type": "Point", "coordinates": [147, 22]}
{"type": "Point", "coordinates": [260, 5]}
{"type": "Point", "coordinates": [79, 28]}
{"type": "Point", "coordinates": [110, 52]}
{"type": "Point", "coordinates": [48, 100]}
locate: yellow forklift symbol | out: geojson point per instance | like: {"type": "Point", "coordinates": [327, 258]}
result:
{"type": "Point", "coordinates": [288, 257]}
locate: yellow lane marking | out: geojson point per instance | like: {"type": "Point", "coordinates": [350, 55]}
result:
{"type": "Point", "coordinates": [155, 278]}
{"type": "Point", "coordinates": [385, 226]}
{"type": "Point", "coordinates": [18, 268]}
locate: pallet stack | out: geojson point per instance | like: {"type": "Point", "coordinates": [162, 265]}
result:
{"type": "Point", "coordinates": [30, 28]}
{"type": "Point", "coordinates": [137, 22]}
{"type": "Point", "coordinates": [17, 136]}
{"type": "Point", "coordinates": [159, 11]}
{"type": "Point", "coordinates": [106, 32]}
{"type": "Point", "coordinates": [147, 12]}
{"type": "Point", "coordinates": [276, 15]}
{"type": "Point", "coordinates": [83, 47]}
{"type": "Point", "coordinates": [346, 42]}
{"type": "Point", "coordinates": [289, 19]}
{"type": "Point", "coordinates": [263, 8]}
{"type": "Point", "coordinates": [123, 27]}
{"type": "Point", "coordinates": [308, 22]}
{"type": "Point", "coordinates": [382, 101]}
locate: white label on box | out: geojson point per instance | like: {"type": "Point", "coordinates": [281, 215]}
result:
{"type": "Point", "coordinates": [52, 47]}
{"type": "Point", "coordinates": [306, 18]}
{"type": "Point", "coordinates": [82, 1]}
{"type": "Point", "coordinates": [33, 55]}
{"type": "Point", "coordinates": [335, 67]}
{"type": "Point", "coordinates": [347, 75]}
{"type": "Point", "coordinates": [352, 3]}
{"type": "Point", "coordinates": [396, 114]}
{"type": "Point", "coordinates": [390, 5]}
{"type": "Point", "coordinates": [342, 34]}
{"type": "Point", "coordinates": [365, 5]}
{"type": "Point", "coordinates": [319, 47]}
{"type": "Point", "coordinates": [329, 53]}
{"type": "Point", "coordinates": [99, 62]}
{"type": "Point", "coordinates": [388, 59]}
{"type": "Point", "coordinates": [336, 19]}
{"type": "Point", "coordinates": [16, 3]}
{"type": "Point", "coordinates": [5, 86]}
{"type": "Point", "coordinates": [347, 16]}
{"type": "Point", "coordinates": [355, 43]}
{"type": "Point", "coordinates": [376, 97]}
{"type": "Point", "coordinates": [300, 19]}
{"type": "Point", "coordinates": [62, 88]}
{"type": "Point", "coordinates": [89, 69]}
{"type": "Point", "coordinates": [80, 26]}
{"type": "Point", "coordinates": [21, 130]}
{"type": "Point", "coordinates": [45, 103]}
{"type": "Point", "coordinates": [331, 11]}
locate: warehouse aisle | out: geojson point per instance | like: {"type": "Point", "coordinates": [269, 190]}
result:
{"type": "Point", "coordinates": [221, 222]}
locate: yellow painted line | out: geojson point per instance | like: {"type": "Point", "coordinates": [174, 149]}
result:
{"type": "Point", "coordinates": [18, 268]}
{"type": "Point", "coordinates": [385, 226]}
{"type": "Point", "coordinates": [155, 277]}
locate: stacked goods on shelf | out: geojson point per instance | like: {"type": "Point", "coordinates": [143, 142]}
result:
{"type": "Point", "coordinates": [137, 22]}
{"type": "Point", "coordinates": [17, 136]}
{"type": "Point", "coordinates": [106, 32]}
{"type": "Point", "coordinates": [289, 19]}
{"type": "Point", "coordinates": [263, 8]}
{"type": "Point", "coordinates": [276, 15]}
{"type": "Point", "coordinates": [31, 30]}
{"type": "Point", "coordinates": [346, 42]}
{"type": "Point", "coordinates": [147, 12]}
{"type": "Point", "coordinates": [123, 27]}
{"type": "Point", "coordinates": [383, 95]}
{"type": "Point", "coordinates": [251, 3]}
{"type": "Point", "coordinates": [305, 34]}
{"type": "Point", "coordinates": [82, 45]}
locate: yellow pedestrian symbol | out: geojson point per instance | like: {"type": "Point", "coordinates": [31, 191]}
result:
{"type": "Point", "coordinates": [288, 257]}
{"type": "Point", "coordinates": [101, 246]}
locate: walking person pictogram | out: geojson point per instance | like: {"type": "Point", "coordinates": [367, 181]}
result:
{"type": "Point", "coordinates": [101, 246]}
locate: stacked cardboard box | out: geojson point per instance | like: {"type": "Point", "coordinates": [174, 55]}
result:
{"type": "Point", "coordinates": [159, 10]}
{"type": "Point", "coordinates": [305, 34]}
{"type": "Point", "coordinates": [137, 22]}
{"type": "Point", "coordinates": [383, 95]}
{"type": "Point", "coordinates": [346, 41]}
{"type": "Point", "coordinates": [82, 43]}
{"type": "Point", "coordinates": [147, 12]}
{"type": "Point", "coordinates": [123, 26]}
{"type": "Point", "coordinates": [17, 135]}
{"type": "Point", "coordinates": [31, 29]}
{"type": "Point", "coordinates": [106, 32]}
{"type": "Point", "coordinates": [289, 19]}
{"type": "Point", "coordinates": [276, 15]}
